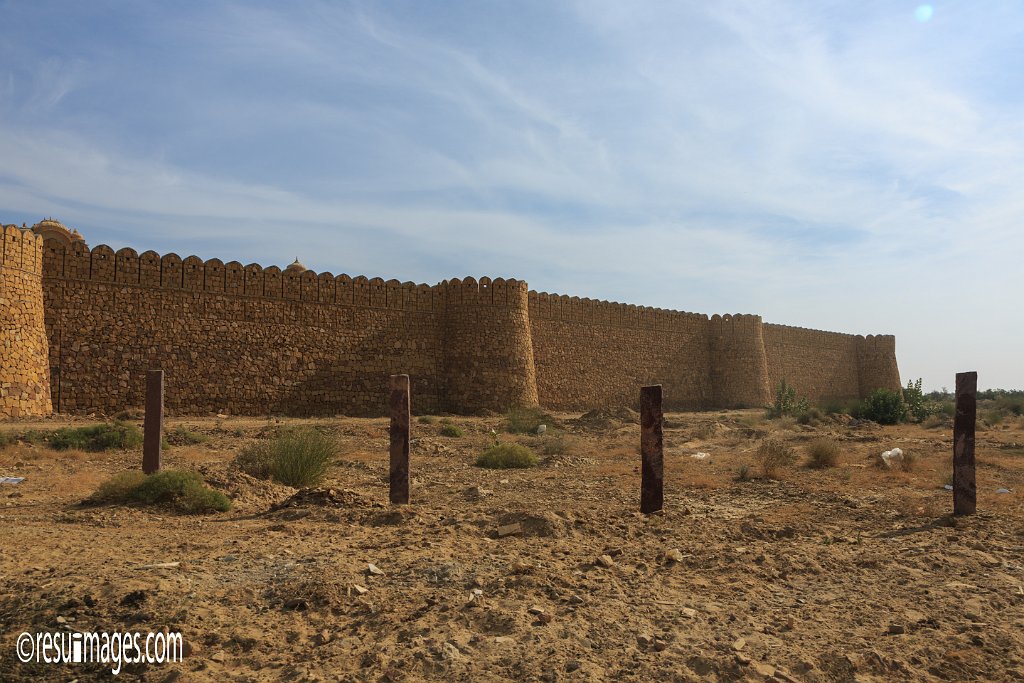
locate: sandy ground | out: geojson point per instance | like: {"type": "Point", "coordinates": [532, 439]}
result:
{"type": "Point", "coordinates": [849, 573]}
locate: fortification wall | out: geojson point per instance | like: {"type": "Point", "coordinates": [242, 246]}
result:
{"type": "Point", "coordinates": [739, 365]}
{"type": "Point", "coordinates": [241, 339]}
{"type": "Point", "coordinates": [82, 326]}
{"type": "Point", "coordinates": [595, 353]}
{"type": "Point", "coordinates": [488, 361]}
{"type": "Point", "coordinates": [876, 362]}
{"type": "Point", "coordinates": [823, 366]}
{"type": "Point", "coordinates": [24, 371]}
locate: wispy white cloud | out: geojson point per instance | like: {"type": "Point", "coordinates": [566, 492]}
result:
{"type": "Point", "coordinates": [822, 165]}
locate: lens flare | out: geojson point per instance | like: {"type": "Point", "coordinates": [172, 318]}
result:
{"type": "Point", "coordinates": [924, 12]}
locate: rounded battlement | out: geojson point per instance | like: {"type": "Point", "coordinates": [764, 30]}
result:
{"type": "Point", "coordinates": [488, 350]}
{"type": "Point", "coordinates": [877, 368]}
{"type": "Point", "coordinates": [739, 365]}
{"type": "Point", "coordinates": [25, 370]}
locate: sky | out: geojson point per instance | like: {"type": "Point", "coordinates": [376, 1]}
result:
{"type": "Point", "coordinates": [854, 167]}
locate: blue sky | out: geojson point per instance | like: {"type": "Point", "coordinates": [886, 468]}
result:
{"type": "Point", "coordinates": [855, 167]}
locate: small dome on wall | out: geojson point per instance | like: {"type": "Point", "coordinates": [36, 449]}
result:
{"type": "Point", "coordinates": [51, 228]}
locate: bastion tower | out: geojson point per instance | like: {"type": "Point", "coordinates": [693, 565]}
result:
{"type": "Point", "coordinates": [24, 354]}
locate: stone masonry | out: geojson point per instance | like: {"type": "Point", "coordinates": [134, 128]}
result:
{"type": "Point", "coordinates": [252, 340]}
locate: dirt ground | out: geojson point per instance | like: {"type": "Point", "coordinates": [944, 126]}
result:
{"type": "Point", "coordinates": [852, 573]}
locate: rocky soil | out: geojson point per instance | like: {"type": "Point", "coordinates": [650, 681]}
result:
{"type": "Point", "coordinates": [853, 573]}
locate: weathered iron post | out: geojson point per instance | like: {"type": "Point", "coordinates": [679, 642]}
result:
{"type": "Point", "coordinates": [965, 488]}
{"type": "Point", "coordinates": [399, 407]}
{"type": "Point", "coordinates": [652, 466]}
{"type": "Point", "coordinates": [153, 429]}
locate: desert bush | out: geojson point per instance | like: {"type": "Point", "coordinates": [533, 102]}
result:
{"type": "Point", "coordinates": [992, 417]}
{"type": "Point", "coordinates": [182, 436]}
{"type": "Point", "coordinates": [935, 421]}
{"type": "Point", "coordinates": [786, 402]}
{"type": "Point", "coordinates": [4, 440]}
{"type": "Point", "coordinates": [743, 473]}
{"type": "Point", "coordinates": [101, 437]}
{"type": "Point", "coordinates": [707, 430]}
{"type": "Point", "coordinates": [822, 453]}
{"type": "Point", "coordinates": [426, 420]}
{"type": "Point", "coordinates": [885, 406]}
{"type": "Point", "coordinates": [1010, 403]}
{"type": "Point", "coordinates": [182, 490]}
{"type": "Point", "coordinates": [555, 444]}
{"type": "Point", "coordinates": [811, 416]}
{"type": "Point", "coordinates": [773, 454]}
{"type": "Point", "coordinates": [451, 430]}
{"type": "Point", "coordinates": [296, 458]}
{"type": "Point", "coordinates": [507, 456]}
{"type": "Point", "coordinates": [526, 419]}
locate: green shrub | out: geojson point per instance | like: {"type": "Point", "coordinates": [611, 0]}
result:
{"type": "Point", "coordinates": [102, 437]}
{"type": "Point", "coordinates": [181, 436]}
{"type": "Point", "coordinates": [885, 406]}
{"type": "Point", "coordinates": [918, 407]}
{"type": "Point", "coordinates": [822, 453]}
{"type": "Point", "coordinates": [526, 419]}
{"type": "Point", "coordinates": [507, 456]}
{"type": "Point", "coordinates": [1010, 403]}
{"type": "Point", "coordinates": [451, 430]}
{"type": "Point", "coordinates": [4, 440]}
{"type": "Point", "coordinates": [786, 402]}
{"type": "Point", "coordinates": [182, 490]}
{"type": "Point", "coordinates": [773, 454]}
{"type": "Point", "coordinates": [297, 458]}
{"type": "Point", "coordinates": [426, 420]}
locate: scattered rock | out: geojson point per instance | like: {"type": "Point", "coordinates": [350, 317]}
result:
{"type": "Point", "coordinates": [897, 629]}
{"type": "Point", "coordinates": [509, 529]}
{"type": "Point", "coordinates": [360, 590]}
{"type": "Point", "coordinates": [536, 609]}
{"type": "Point", "coordinates": [674, 555]}
{"type": "Point", "coordinates": [605, 561]}
{"type": "Point", "coordinates": [373, 570]}
{"type": "Point", "coordinates": [739, 644]}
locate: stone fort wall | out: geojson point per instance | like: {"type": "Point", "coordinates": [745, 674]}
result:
{"type": "Point", "coordinates": [253, 340]}
{"type": "Point", "coordinates": [24, 369]}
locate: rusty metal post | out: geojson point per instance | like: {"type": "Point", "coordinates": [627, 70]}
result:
{"type": "Point", "coordinates": [399, 407]}
{"type": "Point", "coordinates": [965, 489]}
{"type": "Point", "coordinates": [652, 474]}
{"type": "Point", "coordinates": [154, 425]}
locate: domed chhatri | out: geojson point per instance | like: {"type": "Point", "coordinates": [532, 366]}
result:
{"type": "Point", "coordinates": [296, 267]}
{"type": "Point", "coordinates": [53, 229]}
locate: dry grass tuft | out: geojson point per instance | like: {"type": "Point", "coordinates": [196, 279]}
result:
{"type": "Point", "coordinates": [822, 453]}
{"type": "Point", "coordinates": [773, 455]}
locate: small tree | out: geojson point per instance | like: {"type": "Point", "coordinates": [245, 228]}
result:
{"type": "Point", "coordinates": [786, 402]}
{"type": "Point", "coordinates": [917, 406]}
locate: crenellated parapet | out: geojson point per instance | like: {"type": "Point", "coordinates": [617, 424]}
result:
{"type": "Point", "coordinates": [75, 261]}
{"type": "Point", "coordinates": [24, 365]}
{"type": "Point", "coordinates": [877, 369]}
{"type": "Point", "coordinates": [82, 325]}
